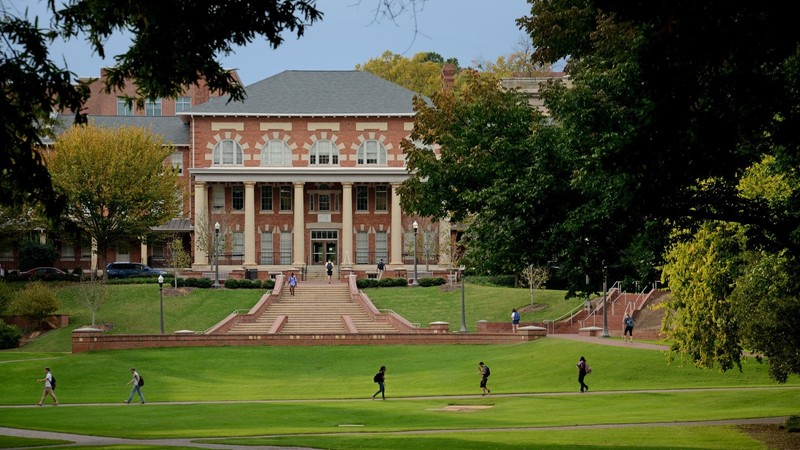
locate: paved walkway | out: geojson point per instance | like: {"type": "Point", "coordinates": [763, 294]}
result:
{"type": "Point", "coordinates": [609, 341]}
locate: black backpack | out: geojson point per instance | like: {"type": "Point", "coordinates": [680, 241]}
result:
{"type": "Point", "coordinates": [52, 382]}
{"type": "Point", "coordinates": [141, 381]}
{"type": "Point", "coordinates": [377, 378]}
{"type": "Point", "coordinates": [486, 371]}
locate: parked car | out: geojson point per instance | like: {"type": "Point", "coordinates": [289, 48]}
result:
{"type": "Point", "coordinates": [44, 273]}
{"type": "Point", "coordinates": [128, 269]}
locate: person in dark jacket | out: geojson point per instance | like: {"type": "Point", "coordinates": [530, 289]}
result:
{"type": "Point", "coordinates": [380, 378]}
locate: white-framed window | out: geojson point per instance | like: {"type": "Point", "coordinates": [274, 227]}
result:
{"type": "Point", "coordinates": [382, 198]}
{"type": "Point", "coordinates": [324, 152]}
{"type": "Point", "coordinates": [324, 202]}
{"type": "Point", "coordinates": [183, 104]}
{"type": "Point", "coordinates": [371, 152]}
{"type": "Point", "coordinates": [362, 198]}
{"type": "Point", "coordinates": [123, 108]}
{"type": "Point", "coordinates": [362, 247]}
{"type": "Point", "coordinates": [6, 253]}
{"type": "Point", "coordinates": [276, 153]}
{"type": "Point", "coordinates": [238, 243]}
{"type": "Point", "coordinates": [312, 204]}
{"type": "Point", "coordinates": [381, 245]}
{"type": "Point", "coordinates": [286, 248]}
{"type": "Point", "coordinates": [237, 198]}
{"type": "Point", "coordinates": [286, 198]}
{"type": "Point", "coordinates": [86, 249]}
{"type": "Point", "coordinates": [228, 153]}
{"type": "Point", "coordinates": [153, 107]}
{"type": "Point", "coordinates": [266, 248]}
{"type": "Point", "coordinates": [266, 198]}
{"type": "Point", "coordinates": [218, 197]}
{"type": "Point", "coordinates": [176, 158]}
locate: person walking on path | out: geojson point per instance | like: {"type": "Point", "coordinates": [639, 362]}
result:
{"type": "Point", "coordinates": [137, 386]}
{"type": "Point", "coordinates": [628, 323]}
{"type": "Point", "coordinates": [484, 372]}
{"type": "Point", "coordinates": [380, 378]}
{"type": "Point", "coordinates": [583, 369]}
{"type": "Point", "coordinates": [329, 268]}
{"type": "Point", "coordinates": [49, 387]}
{"type": "Point", "coordinates": [292, 283]}
{"type": "Point", "coordinates": [381, 266]}
{"type": "Point", "coordinates": [514, 320]}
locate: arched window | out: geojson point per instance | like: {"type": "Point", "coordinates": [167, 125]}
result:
{"type": "Point", "coordinates": [276, 153]}
{"type": "Point", "coordinates": [228, 153]}
{"type": "Point", "coordinates": [372, 152]}
{"type": "Point", "coordinates": [324, 152]}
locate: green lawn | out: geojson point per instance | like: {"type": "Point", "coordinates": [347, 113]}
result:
{"type": "Point", "coordinates": [249, 395]}
{"type": "Point", "coordinates": [424, 305]}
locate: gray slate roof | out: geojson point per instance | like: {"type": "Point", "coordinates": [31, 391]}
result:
{"type": "Point", "coordinates": [172, 129]}
{"type": "Point", "coordinates": [316, 93]}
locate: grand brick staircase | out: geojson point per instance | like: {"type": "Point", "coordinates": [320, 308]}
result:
{"type": "Point", "coordinates": [316, 307]}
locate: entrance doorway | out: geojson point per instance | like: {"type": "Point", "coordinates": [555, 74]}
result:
{"type": "Point", "coordinates": [324, 246]}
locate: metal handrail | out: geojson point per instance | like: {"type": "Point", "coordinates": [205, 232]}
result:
{"type": "Point", "coordinates": [390, 311]}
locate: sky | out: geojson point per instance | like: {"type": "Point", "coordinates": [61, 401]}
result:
{"type": "Point", "coordinates": [350, 34]}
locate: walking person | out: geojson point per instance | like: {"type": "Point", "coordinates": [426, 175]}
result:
{"type": "Point", "coordinates": [49, 387]}
{"type": "Point", "coordinates": [583, 369]}
{"type": "Point", "coordinates": [380, 378]}
{"type": "Point", "coordinates": [137, 385]}
{"type": "Point", "coordinates": [628, 323]}
{"type": "Point", "coordinates": [484, 372]}
{"type": "Point", "coordinates": [292, 283]}
{"type": "Point", "coordinates": [329, 268]}
{"type": "Point", "coordinates": [381, 266]}
{"type": "Point", "coordinates": [514, 320]}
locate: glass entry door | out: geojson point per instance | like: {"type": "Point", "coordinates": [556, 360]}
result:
{"type": "Point", "coordinates": [324, 246]}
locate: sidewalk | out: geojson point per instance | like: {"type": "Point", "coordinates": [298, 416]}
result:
{"type": "Point", "coordinates": [608, 341]}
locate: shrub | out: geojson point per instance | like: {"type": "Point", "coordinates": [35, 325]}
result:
{"type": "Point", "coordinates": [35, 254]}
{"type": "Point", "coordinates": [9, 336]}
{"type": "Point", "coordinates": [190, 282]}
{"type": "Point", "coordinates": [6, 297]}
{"type": "Point", "coordinates": [363, 283]}
{"type": "Point", "coordinates": [78, 271]}
{"type": "Point", "coordinates": [245, 284]}
{"type": "Point", "coordinates": [255, 284]}
{"type": "Point", "coordinates": [399, 282]}
{"type": "Point", "coordinates": [232, 283]}
{"type": "Point", "coordinates": [36, 302]}
{"type": "Point", "coordinates": [204, 283]}
{"type": "Point", "coordinates": [268, 284]}
{"type": "Point", "coordinates": [492, 280]}
{"type": "Point", "coordinates": [431, 281]}
{"type": "Point", "coordinates": [385, 282]}
{"type": "Point", "coordinates": [793, 424]}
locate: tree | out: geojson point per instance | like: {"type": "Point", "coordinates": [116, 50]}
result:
{"type": "Point", "coordinates": [93, 294]}
{"type": "Point", "coordinates": [177, 256]}
{"type": "Point", "coordinates": [36, 302]}
{"type": "Point", "coordinates": [421, 73]}
{"type": "Point", "coordinates": [535, 277]}
{"type": "Point", "coordinates": [518, 63]}
{"type": "Point", "coordinates": [94, 167]}
{"type": "Point", "coordinates": [174, 44]}
{"type": "Point", "coordinates": [36, 254]}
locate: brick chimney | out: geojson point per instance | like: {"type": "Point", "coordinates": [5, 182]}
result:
{"type": "Point", "coordinates": [448, 77]}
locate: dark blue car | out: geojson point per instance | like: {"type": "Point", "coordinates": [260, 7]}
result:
{"type": "Point", "coordinates": [129, 269]}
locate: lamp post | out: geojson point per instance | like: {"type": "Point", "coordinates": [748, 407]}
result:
{"type": "Point", "coordinates": [416, 227]}
{"type": "Point", "coordinates": [605, 305]}
{"type": "Point", "coordinates": [216, 255]}
{"type": "Point", "coordinates": [463, 311]}
{"type": "Point", "coordinates": [161, 296]}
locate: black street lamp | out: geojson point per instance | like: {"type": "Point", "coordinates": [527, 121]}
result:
{"type": "Point", "coordinates": [416, 227]}
{"type": "Point", "coordinates": [161, 296]}
{"type": "Point", "coordinates": [216, 255]}
{"type": "Point", "coordinates": [605, 305]}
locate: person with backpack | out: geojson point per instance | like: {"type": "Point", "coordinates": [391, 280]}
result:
{"type": "Point", "coordinates": [484, 372]}
{"type": "Point", "coordinates": [583, 369]}
{"type": "Point", "coordinates": [138, 382]}
{"type": "Point", "coordinates": [49, 387]}
{"type": "Point", "coordinates": [380, 378]}
{"type": "Point", "coordinates": [381, 267]}
{"type": "Point", "coordinates": [628, 323]}
{"type": "Point", "coordinates": [514, 320]}
{"type": "Point", "coordinates": [329, 269]}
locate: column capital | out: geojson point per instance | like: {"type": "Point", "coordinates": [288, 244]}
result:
{"type": "Point", "coordinates": [347, 183]}
{"type": "Point", "coordinates": [250, 183]}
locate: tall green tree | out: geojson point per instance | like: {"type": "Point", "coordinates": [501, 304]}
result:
{"type": "Point", "coordinates": [116, 182]}
{"type": "Point", "coordinates": [174, 44]}
{"type": "Point", "coordinates": [421, 73]}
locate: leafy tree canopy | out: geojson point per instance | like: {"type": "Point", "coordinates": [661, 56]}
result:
{"type": "Point", "coordinates": [115, 181]}
{"type": "Point", "coordinates": [175, 43]}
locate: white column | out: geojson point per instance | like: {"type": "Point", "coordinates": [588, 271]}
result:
{"type": "Point", "coordinates": [347, 222]}
{"type": "Point", "coordinates": [200, 223]}
{"type": "Point", "coordinates": [396, 231]}
{"type": "Point", "coordinates": [143, 247]}
{"type": "Point", "coordinates": [249, 223]}
{"type": "Point", "coordinates": [299, 236]}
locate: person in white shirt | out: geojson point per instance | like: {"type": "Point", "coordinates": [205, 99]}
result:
{"type": "Point", "coordinates": [137, 388]}
{"type": "Point", "coordinates": [48, 387]}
